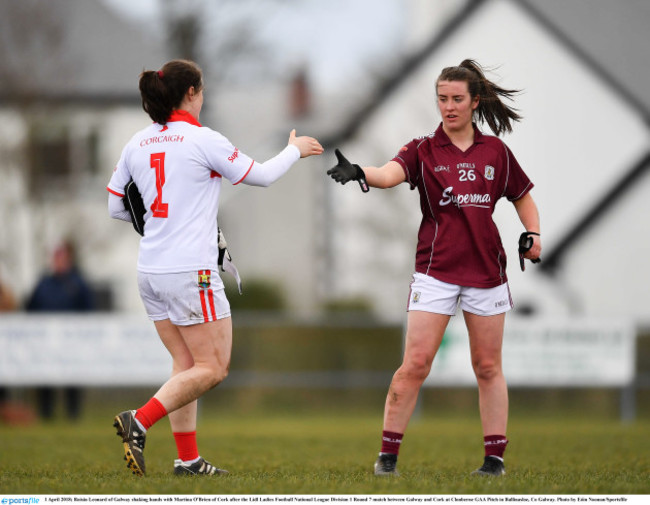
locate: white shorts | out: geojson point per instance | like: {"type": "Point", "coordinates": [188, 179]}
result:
{"type": "Point", "coordinates": [431, 295]}
{"type": "Point", "coordinates": [184, 298]}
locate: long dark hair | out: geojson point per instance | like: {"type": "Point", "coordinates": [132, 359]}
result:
{"type": "Point", "coordinates": [163, 90]}
{"type": "Point", "coordinates": [490, 108]}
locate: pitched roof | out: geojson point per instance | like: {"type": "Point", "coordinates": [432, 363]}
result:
{"type": "Point", "coordinates": [72, 51]}
{"type": "Point", "coordinates": [611, 38]}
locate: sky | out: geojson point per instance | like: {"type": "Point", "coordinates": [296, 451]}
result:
{"type": "Point", "coordinates": [334, 38]}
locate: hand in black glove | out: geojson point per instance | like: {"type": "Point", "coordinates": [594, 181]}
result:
{"type": "Point", "coordinates": [134, 204]}
{"type": "Point", "coordinates": [344, 172]}
{"type": "Point", "coordinates": [525, 244]}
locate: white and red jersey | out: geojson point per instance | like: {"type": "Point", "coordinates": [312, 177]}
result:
{"type": "Point", "coordinates": [178, 169]}
{"type": "Point", "coordinates": [458, 241]}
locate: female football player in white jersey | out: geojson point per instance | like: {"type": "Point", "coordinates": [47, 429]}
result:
{"type": "Point", "coordinates": [460, 174]}
{"type": "Point", "coordinates": [178, 166]}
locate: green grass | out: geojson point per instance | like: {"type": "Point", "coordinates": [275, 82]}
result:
{"type": "Point", "coordinates": [332, 452]}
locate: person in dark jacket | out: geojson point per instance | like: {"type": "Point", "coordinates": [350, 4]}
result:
{"type": "Point", "coordinates": [62, 289]}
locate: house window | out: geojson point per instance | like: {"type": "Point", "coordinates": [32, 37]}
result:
{"type": "Point", "coordinates": [58, 159]}
{"type": "Point", "coordinates": [48, 155]}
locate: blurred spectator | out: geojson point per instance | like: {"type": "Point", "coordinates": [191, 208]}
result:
{"type": "Point", "coordinates": [7, 300]}
{"type": "Point", "coordinates": [7, 304]}
{"type": "Point", "coordinates": [63, 289]}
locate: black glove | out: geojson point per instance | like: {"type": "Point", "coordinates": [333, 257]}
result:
{"type": "Point", "coordinates": [525, 243]}
{"type": "Point", "coordinates": [134, 204]}
{"type": "Point", "coordinates": [344, 171]}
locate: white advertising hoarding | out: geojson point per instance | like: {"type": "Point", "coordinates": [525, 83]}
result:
{"type": "Point", "coordinates": [115, 350]}
{"type": "Point", "coordinates": [93, 350]}
{"type": "Point", "coordinates": [582, 352]}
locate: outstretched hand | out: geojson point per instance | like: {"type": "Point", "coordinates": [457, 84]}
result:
{"type": "Point", "coordinates": [308, 146]}
{"type": "Point", "coordinates": [344, 172]}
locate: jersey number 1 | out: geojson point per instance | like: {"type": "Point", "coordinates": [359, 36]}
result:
{"type": "Point", "coordinates": [159, 208]}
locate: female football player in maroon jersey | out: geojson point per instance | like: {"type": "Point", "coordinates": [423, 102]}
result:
{"type": "Point", "coordinates": [460, 174]}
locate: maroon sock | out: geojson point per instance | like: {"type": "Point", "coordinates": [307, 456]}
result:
{"type": "Point", "coordinates": [495, 445]}
{"type": "Point", "coordinates": [390, 442]}
{"type": "Point", "coordinates": [150, 413]}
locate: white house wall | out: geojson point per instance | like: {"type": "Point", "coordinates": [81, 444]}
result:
{"type": "Point", "coordinates": [16, 246]}
{"type": "Point", "coordinates": [107, 248]}
{"type": "Point", "coordinates": [270, 231]}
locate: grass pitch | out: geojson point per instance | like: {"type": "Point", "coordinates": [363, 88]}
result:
{"type": "Point", "coordinates": [331, 452]}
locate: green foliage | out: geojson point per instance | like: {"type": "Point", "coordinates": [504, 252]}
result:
{"type": "Point", "coordinates": [356, 305]}
{"type": "Point", "coordinates": [258, 295]}
{"type": "Point", "coordinates": [331, 452]}
{"type": "Point", "coordinates": [281, 348]}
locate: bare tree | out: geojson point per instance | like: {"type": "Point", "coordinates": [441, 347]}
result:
{"type": "Point", "coordinates": [31, 36]}
{"type": "Point", "coordinates": [223, 35]}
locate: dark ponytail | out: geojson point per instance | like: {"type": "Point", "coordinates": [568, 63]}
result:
{"type": "Point", "coordinates": [163, 90]}
{"type": "Point", "coordinates": [490, 108]}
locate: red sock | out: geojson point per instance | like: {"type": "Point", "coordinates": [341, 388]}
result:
{"type": "Point", "coordinates": [390, 442]}
{"type": "Point", "coordinates": [150, 413]}
{"type": "Point", "coordinates": [186, 445]}
{"type": "Point", "coordinates": [495, 445]}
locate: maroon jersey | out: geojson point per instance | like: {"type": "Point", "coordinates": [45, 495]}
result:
{"type": "Point", "coordinates": [458, 241]}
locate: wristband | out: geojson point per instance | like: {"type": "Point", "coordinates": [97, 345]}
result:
{"type": "Point", "coordinates": [361, 178]}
